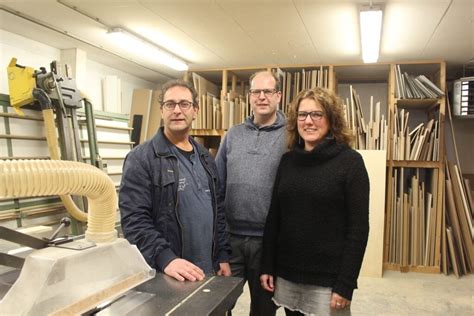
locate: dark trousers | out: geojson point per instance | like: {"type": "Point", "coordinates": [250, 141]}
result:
{"type": "Point", "coordinates": [245, 263]}
{"type": "Point", "coordinates": [289, 312]}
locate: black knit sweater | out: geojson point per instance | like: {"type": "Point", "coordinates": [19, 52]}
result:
{"type": "Point", "coordinates": [318, 223]}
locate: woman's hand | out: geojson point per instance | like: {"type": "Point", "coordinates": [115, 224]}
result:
{"type": "Point", "coordinates": [266, 281]}
{"type": "Point", "coordinates": [339, 302]}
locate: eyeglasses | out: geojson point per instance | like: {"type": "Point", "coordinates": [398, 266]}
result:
{"type": "Point", "coordinates": [171, 105]}
{"type": "Point", "coordinates": [315, 115]}
{"type": "Point", "coordinates": [267, 92]}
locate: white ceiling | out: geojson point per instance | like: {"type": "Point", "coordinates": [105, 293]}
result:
{"type": "Point", "coordinates": [241, 33]}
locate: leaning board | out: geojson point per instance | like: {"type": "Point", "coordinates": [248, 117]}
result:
{"type": "Point", "coordinates": [375, 163]}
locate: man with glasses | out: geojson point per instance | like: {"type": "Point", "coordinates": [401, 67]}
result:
{"type": "Point", "coordinates": [169, 203]}
{"type": "Point", "coordinates": [247, 161]}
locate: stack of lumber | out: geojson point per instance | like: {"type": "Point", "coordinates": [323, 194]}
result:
{"type": "Point", "coordinates": [459, 251]}
{"type": "Point", "coordinates": [419, 143]}
{"type": "Point", "coordinates": [412, 236]}
{"type": "Point", "coordinates": [411, 87]}
{"type": "Point", "coordinates": [371, 135]}
{"type": "Point", "coordinates": [293, 82]}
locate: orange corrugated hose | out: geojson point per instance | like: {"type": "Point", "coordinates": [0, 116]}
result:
{"type": "Point", "coordinates": [53, 148]}
{"type": "Point", "coordinates": [25, 178]}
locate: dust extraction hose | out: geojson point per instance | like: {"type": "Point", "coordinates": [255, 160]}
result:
{"type": "Point", "coordinates": [26, 178]}
{"type": "Point", "coordinates": [53, 148]}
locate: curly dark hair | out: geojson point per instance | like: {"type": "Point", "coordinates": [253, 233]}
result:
{"type": "Point", "coordinates": [332, 106]}
{"type": "Point", "coordinates": [179, 83]}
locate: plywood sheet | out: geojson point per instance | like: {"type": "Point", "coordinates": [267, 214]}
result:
{"type": "Point", "coordinates": [375, 164]}
{"type": "Point", "coordinates": [141, 103]}
{"type": "Point", "coordinates": [154, 119]}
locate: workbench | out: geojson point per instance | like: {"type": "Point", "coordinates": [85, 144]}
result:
{"type": "Point", "coordinates": [164, 295]}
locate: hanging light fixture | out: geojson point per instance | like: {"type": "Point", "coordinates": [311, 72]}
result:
{"type": "Point", "coordinates": [370, 33]}
{"type": "Point", "coordinates": [147, 49]}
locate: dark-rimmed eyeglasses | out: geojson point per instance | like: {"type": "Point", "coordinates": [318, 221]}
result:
{"type": "Point", "coordinates": [183, 104]}
{"type": "Point", "coordinates": [267, 92]}
{"type": "Point", "coordinates": [315, 115]}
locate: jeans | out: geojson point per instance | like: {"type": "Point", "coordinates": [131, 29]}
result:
{"type": "Point", "coordinates": [245, 262]}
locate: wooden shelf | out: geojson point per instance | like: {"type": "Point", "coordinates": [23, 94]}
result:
{"type": "Point", "coordinates": [109, 126]}
{"type": "Point", "coordinates": [23, 137]}
{"type": "Point", "coordinates": [431, 172]}
{"type": "Point", "coordinates": [416, 164]}
{"type": "Point", "coordinates": [402, 241]}
{"type": "Point", "coordinates": [420, 269]}
{"type": "Point", "coordinates": [26, 158]}
{"type": "Point", "coordinates": [109, 142]}
{"type": "Point", "coordinates": [23, 117]}
{"type": "Point", "coordinates": [417, 104]}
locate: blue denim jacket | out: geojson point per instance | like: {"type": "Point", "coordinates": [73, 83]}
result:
{"type": "Point", "coordinates": [148, 203]}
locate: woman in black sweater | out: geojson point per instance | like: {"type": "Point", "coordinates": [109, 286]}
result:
{"type": "Point", "coordinates": [318, 223]}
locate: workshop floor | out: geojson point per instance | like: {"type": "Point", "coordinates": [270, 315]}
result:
{"type": "Point", "coordinates": [402, 294]}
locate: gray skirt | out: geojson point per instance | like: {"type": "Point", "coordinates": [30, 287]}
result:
{"type": "Point", "coordinates": [305, 298]}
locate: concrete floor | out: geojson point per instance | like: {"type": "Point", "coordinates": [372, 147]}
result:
{"type": "Point", "coordinates": [402, 294]}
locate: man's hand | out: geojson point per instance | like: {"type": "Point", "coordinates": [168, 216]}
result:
{"type": "Point", "coordinates": [266, 281]}
{"type": "Point", "coordinates": [224, 269]}
{"type": "Point", "coordinates": [339, 302]}
{"type": "Point", "coordinates": [182, 270]}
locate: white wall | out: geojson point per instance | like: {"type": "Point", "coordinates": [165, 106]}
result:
{"type": "Point", "coordinates": [97, 72]}
{"type": "Point", "coordinates": [464, 136]}
{"type": "Point", "coordinates": [28, 53]}
{"type": "Point", "coordinates": [35, 54]}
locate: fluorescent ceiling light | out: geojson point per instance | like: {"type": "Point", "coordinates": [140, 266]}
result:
{"type": "Point", "coordinates": [146, 49]}
{"type": "Point", "coordinates": [370, 32]}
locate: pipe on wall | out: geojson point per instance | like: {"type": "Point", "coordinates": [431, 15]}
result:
{"type": "Point", "coordinates": [27, 178]}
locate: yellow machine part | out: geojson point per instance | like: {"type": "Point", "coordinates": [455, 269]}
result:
{"type": "Point", "coordinates": [21, 83]}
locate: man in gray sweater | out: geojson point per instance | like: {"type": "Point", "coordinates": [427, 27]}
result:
{"type": "Point", "coordinates": [247, 161]}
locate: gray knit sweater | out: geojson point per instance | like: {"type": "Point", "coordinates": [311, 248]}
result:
{"type": "Point", "coordinates": [247, 161]}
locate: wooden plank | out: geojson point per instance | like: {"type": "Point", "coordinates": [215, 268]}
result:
{"type": "Point", "coordinates": [405, 232]}
{"type": "Point", "coordinates": [452, 252]}
{"type": "Point", "coordinates": [417, 164]}
{"type": "Point", "coordinates": [422, 207]}
{"type": "Point", "coordinates": [389, 207]}
{"type": "Point", "coordinates": [154, 118]}
{"type": "Point", "coordinates": [22, 137]}
{"type": "Point", "coordinates": [453, 138]}
{"type": "Point", "coordinates": [415, 222]}
{"type": "Point", "coordinates": [95, 298]}
{"type": "Point", "coordinates": [460, 185]}
{"type": "Point", "coordinates": [434, 251]}
{"type": "Point", "coordinates": [372, 265]}
{"type": "Point", "coordinates": [454, 223]}
{"type": "Point", "coordinates": [444, 245]}
{"type": "Point", "coordinates": [419, 269]}
{"type": "Point", "coordinates": [467, 186]}
{"type": "Point", "coordinates": [429, 230]}
{"type": "Point", "coordinates": [209, 112]}
{"type": "Point", "coordinates": [463, 222]}
{"type": "Point", "coordinates": [23, 117]}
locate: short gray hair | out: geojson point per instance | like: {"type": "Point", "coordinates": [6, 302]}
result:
{"type": "Point", "coordinates": [277, 80]}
